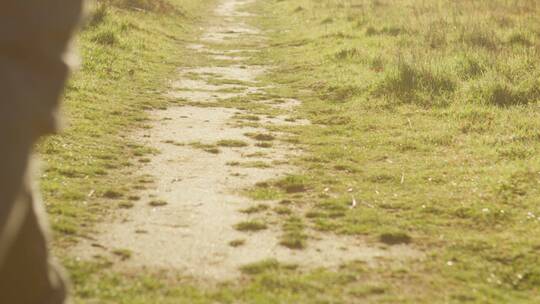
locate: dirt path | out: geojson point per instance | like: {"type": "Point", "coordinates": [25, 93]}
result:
{"type": "Point", "coordinates": [186, 220]}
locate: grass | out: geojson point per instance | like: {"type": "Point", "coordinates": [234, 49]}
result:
{"type": "Point", "coordinates": [256, 164]}
{"type": "Point", "coordinates": [292, 184]}
{"type": "Point", "coordinates": [158, 203]}
{"type": "Point", "coordinates": [250, 226]}
{"type": "Point", "coordinates": [263, 266]}
{"type": "Point", "coordinates": [395, 238]}
{"type": "Point", "coordinates": [261, 136]}
{"type": "Point", "coordinates": [237, 243]}
{"type": "Point", "coordinates": [213, 149]}
{"type": "Point", "coordinates": [268, 281]}
{"type": "Point", "coordinates": [294, 236]}
{"type": "Point", "coordinates": [123, 254]}
{"type": "Point", "coordinates": [232, 143]}
{"type": "Point", "coordinates": [248, 117]}
{"type": "Point", "coordinates": [256, 209]}
{"type": "Point", "coordinates": [427, 113]}
{"type": "Point", "coordinates": [126, 205]}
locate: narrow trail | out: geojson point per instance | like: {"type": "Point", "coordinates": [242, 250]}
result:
{"type": "Point", "coordinates": [196, 193]}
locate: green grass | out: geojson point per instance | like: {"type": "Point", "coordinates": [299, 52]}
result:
{"type": "Point", "coordinates": [256, 209]}
{"type": "Point", "coordinates": [269, 282]}
{"type": "Point", "coordinates": [261, 136]}
{"type": "Point", "coordinates": [264, 266]}
{"type": "Point", "coordinates": [237, 243]}
{"type": "Point", "coordinates": [123, 254]}
{"type": "Point", "coordinates": [232, 143]}
{"type": "Point", "coordinates": [158, 203]}
{"type": "Point", "coordinates": [250, 226]}
{"type": "Point", "coordinates": [213, 149]}
{"type": "Point", "coordinates": [293, 234]}
{"type": "Point", "coordinates": [427, 113]}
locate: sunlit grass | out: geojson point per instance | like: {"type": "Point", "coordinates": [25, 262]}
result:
{"type": "Point", "coordinates": [426, 113]}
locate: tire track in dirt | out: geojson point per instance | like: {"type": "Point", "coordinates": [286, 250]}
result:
{"type": "Point", "coordinates": [185, 221]}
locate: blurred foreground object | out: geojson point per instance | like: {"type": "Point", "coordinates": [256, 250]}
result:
{"type": "Point", "coordinates": [34, 38]}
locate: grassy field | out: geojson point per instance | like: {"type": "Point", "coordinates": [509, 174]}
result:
{"type": "Point", "coordinates": [428, 111]}
{"type": "Point", "coordinates": [425, 111]}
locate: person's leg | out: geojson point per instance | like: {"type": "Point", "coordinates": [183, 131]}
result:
{"type": "Point", "coordinates": [26, 274]}
{"type": "Point", "coordinates": [34, 38]}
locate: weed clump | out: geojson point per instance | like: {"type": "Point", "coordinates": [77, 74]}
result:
{"type": "Point", "coordinates": [237, 243]}
{"type": "Point", "coordinates": [294, 236]}
{"type": "Point", "coordinates": [113, 194]}
{"type": "Point", "coordinates": [97, 15]}
{"type": "Point", "coordinates": [158, 203]}
{"type": "Point", "coordinates": [502, 93]}
{"type": "Point", "coordinates": [469, 67]}
{"type": "Point", "coordinates": [124, 254]}
{"type": "Point", "coordinates": [261, 136]}
{"type": "Point", "coordinates": [232, 143]}
{"type": "Point", "coordinates": [260, 267]}
{"type": "Point", "coordinates": [255, 209]}
{"type": "Point", "coordinates": [481, 38]}
{"type": "Point", "coordinates": [395, 238]}
{"type": "Point", "coordinates": [519, 39]}
{"type": "Point", "coordinates": [293, 184]}
{"type": "Point", "coordinates": [106, 37]}
{"type": "Point", "coordinates": [250, 226]}
{"type": "Point", "coordinates": [347, 54]}
{"type": "Point", "coordinates": [407, 82]}
{"type": "Point", "coordinates": [205, 147]}
{"type": "Point", "coordinates": [386, 30]}
{"type": "Point", "coordinates": [266, 266]}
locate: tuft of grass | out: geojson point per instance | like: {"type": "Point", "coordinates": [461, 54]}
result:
{"type": "Point", "coordinates": [206, 147]}
{"type": "Point", "coordinates": [260, 267]}
{"type": "Point", "coordinates": [106, 37]}
{"type": "Point", "coordinates": [293, 184]}
{"type": "Point", "coordinates": [97, 15]}
{"type": "Point", "coordinates": [499, 92]}
{"type": "Point", "coordinates": [265, 266]}
{"type": "Point", "coordinates": [113, 194]}
{"type": "Point", "coordinates": [126, 205]}
{"type": "Point", "coordinates": [261, 136]}
{"type": "Point", "coordinates": [256, 164]}
{"type": "Point", "coordinates": [282, 210]}
{"type": "Point", "coordinates": [256, 209]}
{"type": "Point", "coordinates": [237, 243]}
{"type": "Point", "coordinates": [293, 236]}
{"type": "Point", "coordinates": [124, 254]}
{"type": "Point", "coordinates": [232, 143]}
{"type": "Point", "coordinates": [250, 226]}
{"type": "Point", "coordinates": [264, 194]}
{"type": "Point", "coordinates": [408, 82]}
{"type": "Point", "coordinates": [519, 39]}
{"type": "Point", "coordinates": [480, 37]}
{"type": "Point", "coordinates": [265, 145]}
{"type": "Point", "coordinates": [158, 203]}
{"type": "Point", "coordinates": [395, 238]}
{"type": "Point", "coordinates": [134, 197]}
{"type": "Point", "coordinates": [248, 117]}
